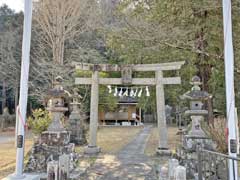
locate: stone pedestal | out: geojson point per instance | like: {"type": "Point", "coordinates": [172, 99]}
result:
{"type": "Point", "coordinates": [49, 148]}
{"type": "Point", "coordinates": [92, 150]}
{"type": "Point", "coordinates": [52, 138]}
{"type": "Point", "coordinates": [196, 135]}
{"type": "Point", "coordinates": [196, 130]}
{"type": "Point", "coordinates": [57, 115]}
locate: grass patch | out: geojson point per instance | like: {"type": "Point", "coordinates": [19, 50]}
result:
{"type": "Point", "coordinates": [110, 139]}
{"type": "Point", "coordinates": [79, 149]}
{"type": "Point", "coordinates": [113, 139]}
{"type": "Point", "coordinates": [8, 157]}
{"type": "Point", "coordinates": [152, 144]}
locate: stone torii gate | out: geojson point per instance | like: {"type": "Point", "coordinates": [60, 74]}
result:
{"type": "Point", "coordinates": [159, 81]}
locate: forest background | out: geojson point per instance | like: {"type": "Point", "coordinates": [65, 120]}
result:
{"type": "Point", "coordinates": [118, 32]}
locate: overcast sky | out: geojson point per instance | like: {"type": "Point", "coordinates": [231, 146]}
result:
{"type": "Point", "coordinates": [17, 5]}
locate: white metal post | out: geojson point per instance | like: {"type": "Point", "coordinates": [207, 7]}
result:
{"type": "Point", "coordinates": [229, 78]}
{"type": "Point", "coordinates": [237, 130]}
{"type": "Point", "coordinates": [23, 87]}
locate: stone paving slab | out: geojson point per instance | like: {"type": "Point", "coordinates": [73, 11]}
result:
{"type": "Point", "coordinates": [129, 164]}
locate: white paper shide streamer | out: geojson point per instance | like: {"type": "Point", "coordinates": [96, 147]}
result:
{"type": "Point", "coordinates": [129, 91]}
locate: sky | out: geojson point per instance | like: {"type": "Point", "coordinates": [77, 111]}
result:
{"type": "Point", "coordinates": [17, 5]}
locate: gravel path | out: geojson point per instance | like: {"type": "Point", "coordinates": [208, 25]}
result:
{"type": "Point", "coordinates": [129, 164]}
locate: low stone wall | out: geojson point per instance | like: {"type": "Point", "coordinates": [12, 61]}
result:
{"type": "Point", "coordinates": [119, 126]}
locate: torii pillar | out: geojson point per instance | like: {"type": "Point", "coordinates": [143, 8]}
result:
{"type": "Point", "coordinates": [92, 147]}
{"type": "Point", "coordinates": [159, 81]}
{"type": "Point", "coordinates": [161, 116]}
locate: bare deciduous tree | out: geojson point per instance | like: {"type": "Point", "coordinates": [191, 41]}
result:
{"type": "Point", "coordinates": [62, 20]}
{"type": "Point", "coordinates": [9, 64]}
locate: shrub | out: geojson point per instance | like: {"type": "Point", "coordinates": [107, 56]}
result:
{"type": "Point", "coordinates": [39, 121]}
{"type": "Point", "coordinates": [217, 132]}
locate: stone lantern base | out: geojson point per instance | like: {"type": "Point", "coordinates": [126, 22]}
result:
{"type": "Point", "coordinates": [49, 147]}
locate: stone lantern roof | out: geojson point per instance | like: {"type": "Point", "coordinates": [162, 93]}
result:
{"type": "Point", "coordinates": [196, 93]}
{"type": "Point", "coordinates": [56, 96]}
{"type": "Point", "coordinates": [196, 97]}
{"type": "Point", "coordinates": [57, 90]}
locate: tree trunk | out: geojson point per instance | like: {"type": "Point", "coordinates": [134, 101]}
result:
{"type": "Point", "coordinates": [210, 111]}
{"type": "Point", "coordinates": [4, 95]}
{"type": "Point", "coordinates": [58, 52]}
{"type": "Point", "coordinates": [59, 36]}
{"type": "Point", "coordinates": [204, 69]}
{"type": "Point", "coordinates": [4, 99]}
{"type": "Point", "coordinates": [16, 96]}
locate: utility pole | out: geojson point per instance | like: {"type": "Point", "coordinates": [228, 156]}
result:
{"type": "Point", "coordinates": [21, 111]}
{"type": "Point", "coordinates": [229, 81]}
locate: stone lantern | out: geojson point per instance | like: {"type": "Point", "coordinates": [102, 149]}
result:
{"type": "Point", "coordinates": [195, 137]}
{"type": "Point", "coordinates": [56, 133]}
{"type": "Point", "coordinates": [196, 97]}
{"type": "Point", "coordinates": [54, 147]}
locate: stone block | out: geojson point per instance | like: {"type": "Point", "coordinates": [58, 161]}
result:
{"type": "Point", "coordinates": [51, 138]}
{"type": "Point", "coordinates": [172, 165]}
{"type": "Point", "coordinates": [52, 170]}
{"type": "Point", "coordinates": [64, 163]}
{"type": "Point", "coordinates": [24, 177]}
{"type": "Point", "coordinates": [92, 150]}
{"type": "Point", "coordinates": [163, 152]}
{"type": "Point", "coordinates": [163, 174]}
{"type": "Point", "coordinates": [180, 173]}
